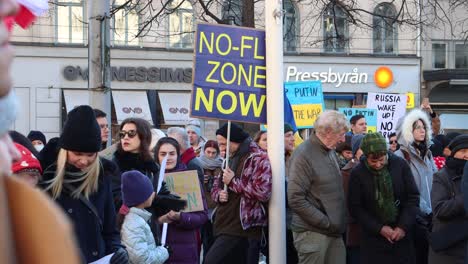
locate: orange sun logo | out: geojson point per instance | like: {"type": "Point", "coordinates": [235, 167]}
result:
{"type": "Point", "coordinates": [383, 77]}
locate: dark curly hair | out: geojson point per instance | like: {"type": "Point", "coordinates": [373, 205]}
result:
{"type": "Point", "coordinates": [143, 129]}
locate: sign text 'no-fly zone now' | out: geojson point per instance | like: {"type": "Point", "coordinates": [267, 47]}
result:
{"type": "Point", "coordinates": [230, 74]}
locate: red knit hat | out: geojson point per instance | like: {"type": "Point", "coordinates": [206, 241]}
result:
{"type": "Point", "coordinates": [27, 162]}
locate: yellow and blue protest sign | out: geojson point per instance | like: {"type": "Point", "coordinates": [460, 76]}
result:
{"type": "Point", "coordinates": [230, 74]}
{"type": "Point", "coordinates": [306, 100]}
{"type": "Point", "coordinates": [369, 114]}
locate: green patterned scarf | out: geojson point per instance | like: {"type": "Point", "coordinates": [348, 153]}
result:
{"type": "Point", "coordinates": [384, 196]}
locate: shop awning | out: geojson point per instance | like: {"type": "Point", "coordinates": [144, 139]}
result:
{"type": "Point", "coordinates": [175, 107]}
{"type": "Point", "coordinates": [74, 98]}
{"type": "Point", "coordinates": [449, 95]}
{"type": "Point", "coordinates": [131, 104]}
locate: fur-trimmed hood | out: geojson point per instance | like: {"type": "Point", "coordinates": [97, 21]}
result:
{"type": "Point", "coordinates": [404, 129]}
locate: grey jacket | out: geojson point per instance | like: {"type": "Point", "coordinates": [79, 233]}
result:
{"type": "Point", "coordinates": [422, 172]}
{"type": "Point", "coordinates": [422, 169]}
{"type": "Point", "coordinates": [315, 190]}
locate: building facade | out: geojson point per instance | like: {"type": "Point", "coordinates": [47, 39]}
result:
{"type": "Point", "coordinates": [152, 73]}
{"type": "Point", "coordinates": [445, 66]}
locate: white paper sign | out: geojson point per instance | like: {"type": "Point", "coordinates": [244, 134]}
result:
{"type": "Point", "coordinates": [104, 260]}
{"type": "Point", "coordinates": [390, 108]}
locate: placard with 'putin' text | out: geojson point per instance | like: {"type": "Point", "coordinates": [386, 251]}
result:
{"type": "Point", "coordinates": [306, 100]}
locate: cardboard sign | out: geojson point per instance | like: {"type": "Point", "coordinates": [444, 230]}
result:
{"type": "Point", "coordinates": [230, 74]}
{"type": "Point", "coordinates": [390, 108]}
{"type": "Point", "coordinates": [369, 114]}
{"type": "Point", "coordinates": [187, 186]}
{"type": "Point", "coordinates": [306, 100]}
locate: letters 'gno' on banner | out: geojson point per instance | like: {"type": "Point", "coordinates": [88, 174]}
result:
{"type": "Point", "coordinates": [306, 100]}
{"type": "Point", "coordinates": [390, 108]}
{"type": "Point", "coordinates": [369, 114]}
{"type": "Point", "coordinates": [230, 74]}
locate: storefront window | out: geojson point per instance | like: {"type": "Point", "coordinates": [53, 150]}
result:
{"type": "Point", "coordinates": [385, 30]}
{"type": "Point", "coordinates": [439, 58]}
{"type": "Point", "coordinates": [70, 22]}
{"type": "Point", "coordinates": [181, 22]}
{"type": "Point", "coordinates": [125, 25]}
{"type": "Point", "coordinates": [461, 56]}
{"type": "Point", "coordinates": [335, 104]}
{"type": "Point", "coordinates": [335, 28]}
{"type": "Point", "coordinates": [289, 26]}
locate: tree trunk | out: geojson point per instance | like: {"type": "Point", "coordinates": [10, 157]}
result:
{"type": "Point", "coordinates": [248, 13]}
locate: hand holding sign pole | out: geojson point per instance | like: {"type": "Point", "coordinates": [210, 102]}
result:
{"type": "Point", "coordinates": [228, 146]}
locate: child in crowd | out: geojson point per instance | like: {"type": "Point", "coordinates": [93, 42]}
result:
{"type": "Point", "coordinates": [28, 167]}
{"type": "Point", "coordinates": [138, 194]}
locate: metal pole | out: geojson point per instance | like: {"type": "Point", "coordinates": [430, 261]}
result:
{"type": "Point", "coordinates": [275, 120]}
{"type": "Point", "coordinates": [99, 58]}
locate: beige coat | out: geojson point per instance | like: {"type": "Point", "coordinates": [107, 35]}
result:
{"type": "Point", "coordinates": [32, 228]}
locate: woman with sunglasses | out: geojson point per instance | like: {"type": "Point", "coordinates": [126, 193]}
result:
{"type": "Point", "coordinates": [80, 182]}
{"type": "Point", "coordinates": [183, 227]}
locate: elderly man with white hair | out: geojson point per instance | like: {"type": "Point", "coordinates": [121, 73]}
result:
{"type": "Point", "coordinates": [315, 193]}
{"type": "Point", "coordinates": [187, 154]}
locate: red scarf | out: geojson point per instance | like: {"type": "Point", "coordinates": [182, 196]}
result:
{"type": "Point", "coordinates": [187, 156]}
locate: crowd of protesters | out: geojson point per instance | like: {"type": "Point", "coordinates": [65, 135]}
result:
{"type": "Point", "coordinates": [353, 196]}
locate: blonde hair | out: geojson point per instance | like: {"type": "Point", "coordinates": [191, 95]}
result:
{"type": "Point", "coordinates": [89, 177]}
{"type": "Point", "coordinates": [331, 121]}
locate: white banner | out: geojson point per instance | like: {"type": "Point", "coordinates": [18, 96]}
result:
{"type": "Point", "coordinates": [74, 98]}
{"type": "Point", "coordinates": [175, 107]}
{"type": "Point", "coordinates": [131, 104]}
{"type": "Point", "coordinates": [390, 108]}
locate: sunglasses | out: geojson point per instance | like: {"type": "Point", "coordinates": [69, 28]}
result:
{"type": "Point", "coordinates": [393, 141]}
{"type": "Point", "coordinates": [130, 133]}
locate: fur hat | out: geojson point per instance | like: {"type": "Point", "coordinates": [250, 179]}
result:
{"type": "Point", "coordinates": [136, 188]}
{"type": "Point", "coordinates": [81, 131]}
{"type": "Point", "coordinates": [238, 135]}
{"type": "Point", "coordinates": [27, 162]}
{"type": "Point", "coordinates": [404, 129]}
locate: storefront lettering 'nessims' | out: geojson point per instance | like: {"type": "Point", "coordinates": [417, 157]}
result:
{"type": "Point", "coordinates": [135, 74]}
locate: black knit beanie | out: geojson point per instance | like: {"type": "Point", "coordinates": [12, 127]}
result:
{"type": "Point", "coordinates": [37, 135]}
{"type": "Point", "coordinates": [458, 143]}
{"type": "Point", "coordinates": [81, 132]}
{"type": "Point", "coordinates": [288, 128]}
{"type": "Point", "coordinates": [238, 135]}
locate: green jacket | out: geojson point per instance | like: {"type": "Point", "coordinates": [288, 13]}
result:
{"type": "Point", "coordinates": [315, 190]}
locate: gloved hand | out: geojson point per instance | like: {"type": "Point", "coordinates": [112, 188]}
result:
{"type": "Point", "coordinates": [120, 257]}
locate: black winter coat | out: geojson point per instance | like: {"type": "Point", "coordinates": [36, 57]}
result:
{"type": "Point", "coordinates": [95, 240]}
{"type": "Point", "coordinates": [362, 206]}
{"type": "Point", "coordinates": [127, 161]}
{"type": "Point", "coordinates": [447, 206]}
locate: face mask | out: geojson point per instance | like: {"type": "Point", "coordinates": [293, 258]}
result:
{"type": "Point", "coordinates": [39, 147]}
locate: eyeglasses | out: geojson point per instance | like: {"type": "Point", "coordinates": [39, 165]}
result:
{"type": "Point", "coordinates": [104, 126]}
{"type": "Point", "coordinates": [393, 141]}
{"type": "Point", "coordinates": [130, 133]}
